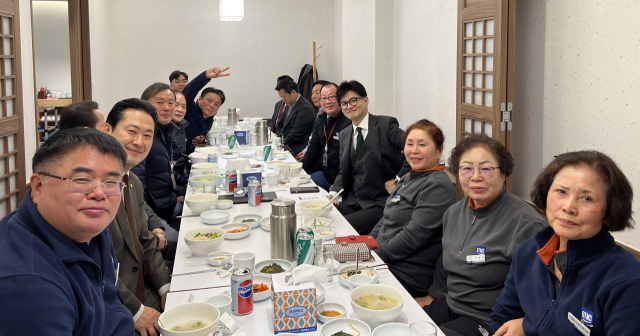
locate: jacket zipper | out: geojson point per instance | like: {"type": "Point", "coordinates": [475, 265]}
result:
{"type": "Point", "coordinates": [552, 305]}
{"type": "Point", "coordinates": [468, 231]}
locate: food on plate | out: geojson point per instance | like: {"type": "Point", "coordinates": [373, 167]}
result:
{"type": "Point", "coordinates": [330, 313]}
{"type": "Point", "coordinates": [348, 275]}
{"type": "Point", "coordinates": [256, 166]}
{"type": "Point", "coordinates": [219, 258]}
{"type": "Point", "coordinates": [237, 230]}
{"type": "Point", "coordinates": [248, 220]}
{"type": "Point", "coordinates": [355, 332]}
{"type": "Point", "coordinates": [272, 268]}
{"type": "Point", "coordinates": [317, 222]}
{"type": "Point", "coordinates": [204, 179]}
{"type": "Point", "coordinates": [227, 153]}
{"type": "Point", "coordinates": [314, 207]}
{"type": "Point", "coordinates": [206, 236]}
{"type": "Point", "coordinates": [325, 233]}
{"type": "Point", "coordinates": [189, 326]}
{"type": "Point", "coordinates": [377, 302]}
{"type": "Point", "coordinates": [260, 287]}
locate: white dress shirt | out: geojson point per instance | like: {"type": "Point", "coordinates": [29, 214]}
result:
{"type": "Point", "coordinates": [364, 124]}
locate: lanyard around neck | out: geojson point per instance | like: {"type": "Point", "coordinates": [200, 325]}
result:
{"type": "Point", "coordinates": [326, 138]}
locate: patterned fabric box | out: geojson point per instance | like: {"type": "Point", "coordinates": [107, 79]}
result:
{"type": "Point", "coordinates": [344, 253]}
{"type": "Point", "coordinates": [294, 307]}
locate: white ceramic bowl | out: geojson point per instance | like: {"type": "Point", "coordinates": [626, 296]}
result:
{"type": "Point", "coordinates": [295, 167]}
{"type": "Point", "coordinates": [275, 165]}
{"type": "Point", "coordinates": [229, 156]}
{"type": "Point", "coordinates": [321, 222]}
{"type": "Point", "coordinates": [372, 317]}
{"type": "Point", "coordinates": [283, 263]}
{"type": "Point", "coordinates": [263, 279]}
{"type": "Point", "coordinates": [191, 311]}
{"type": "Point", "coordinates": [259, 166]}
{"type": "Point", "coordinates": [198, 158]}
{"type": "Point", "coordinates": [304, 178]}
{"type": "Point", "coordinates": [330, 306]}
{"type": "Point", "coordinates": [215, 216]}
{"type": "Point", "coordinates": [202, 248]}
{"type": "Point", "coordinates": [248, 152]}
{"type": "Point", "coordinates": [199, 203]}
{"type": "Point", "coordinates": [344, 280]}
{"type": "Point", "coordinates": [265, 223]}
{"type": "Point", "coordinates": [219, 258]}
{"type": "Point", "coordinates": [197, 181]}
{"type": "Point", "coordinates": [319, 292]}
{"type": "Point", "coordinates": [234, 226]}
{"type": "Point", "coordinates": [394, 329]}
{"type": "Point", "coordinates": [202, 149]}
{"type": "Point", "coordinates": [224, 204]}
{"type": "Point", "coordinates": [207, 167]}
{"type": "Point", "coordinates": [315, 212]}
{"type": "Point", "coordinates": [242, 218]}
{"type": "Point", "coordinates": [327, 233]}
{"type": "Point", "coordinates": [344, 324]}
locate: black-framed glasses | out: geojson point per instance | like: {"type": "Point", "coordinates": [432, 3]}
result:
{"type": "Point", "coordinates": [485, 171]}
{"type": "Point", "coordinates": [325, 99]}
{"type": "Point", "coordinates": [85, 185]}
{"type": "Point", "coordinates": [350, 103]}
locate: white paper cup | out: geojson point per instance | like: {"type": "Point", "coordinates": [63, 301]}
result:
{"type": "Point", "coordinates": [272, 179]}
{"type": "Point", "coordinates": [358, 280]}
{"type": "Point", "coordinates": [244, 259]}
{"type": "Point", "coordinates": [223, 302]}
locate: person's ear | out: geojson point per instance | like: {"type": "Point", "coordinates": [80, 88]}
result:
{"type": "Point", "coordinates": [36, 187]}
{"type": "Point", "coordinates": [107, 128]}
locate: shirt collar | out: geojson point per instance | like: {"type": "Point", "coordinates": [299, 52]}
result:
{"type": "Point", "coordinates": [364, 124]}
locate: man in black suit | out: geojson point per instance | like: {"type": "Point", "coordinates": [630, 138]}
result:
{"type": "Point", "coordinates": [297, 118]}
{"type": "Point", "coordinates": [370, 155]}
{"type": "Point", "coordinates": [278, 110]}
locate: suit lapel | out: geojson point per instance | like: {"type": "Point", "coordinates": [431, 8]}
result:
{"type": "Point", "coordinates": [288, 118]}
{"type": "Point", "coordinates": [123, 223]}
{"type": "Point", "coordinates": [373, 139]}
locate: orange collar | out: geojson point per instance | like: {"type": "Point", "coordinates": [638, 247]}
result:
{"type": "Point", "coordinates": [472, 205]}
{"type": "Point", "coordinates": [550, 249]}
{"type": "Point", "coordinates": [440, 167]}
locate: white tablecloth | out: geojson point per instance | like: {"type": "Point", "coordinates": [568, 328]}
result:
{"type": "Point", "coordinates": [260, 321]}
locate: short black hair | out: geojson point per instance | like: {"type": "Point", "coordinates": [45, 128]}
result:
{"type": "Point", "coordinates": [497, 149]}
{"type": "Point", "coordinates": [352, 85]}
{"type": "Point", "coordinates": [176, 74]}
{"type": "Point", "coordinates": [62, 142]}
{"type": "Point", "coordinates": [216, 91]}
{"type": "Point", "coordinates": [154, 89]}
{"type": "Point", "coordinates": [117, 112]}
{"type": "Point", "coordinates": [287, 85]}
{"type": "Point", "coordinates": [283, 77]}
{"type": "Point", "coordinates": [79, 114]}
{"type": "Point", "coordinates": [321, 82]}
{"type": "Point", "coordinates": [330, 84]}
{"type": "Point", "coordinates": [617, 187]}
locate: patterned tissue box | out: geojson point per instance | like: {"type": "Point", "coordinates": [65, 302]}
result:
{"type": "Point", "coordinates": [294, 307]}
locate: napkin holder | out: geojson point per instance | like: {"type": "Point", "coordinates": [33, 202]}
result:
{"type": "Point", "coordinates": [294, 307]}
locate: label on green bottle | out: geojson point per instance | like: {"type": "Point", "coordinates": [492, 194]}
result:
{"type": "Point", "coordinates": [231, 141]}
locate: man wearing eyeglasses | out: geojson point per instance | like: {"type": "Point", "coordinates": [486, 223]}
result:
{"type": "Point", "coordinates": [370, 155]}
{"type": "Point", "coordinates": [145, 279]}
{"type": "Point", "coordinates": [325, 141]}
{"type": "Point", "coordinates": [57, 263]}
{"type": "Point", "coordinates": [297, 117]}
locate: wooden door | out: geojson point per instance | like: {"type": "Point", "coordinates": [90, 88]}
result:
{"type": "Point", "coordinates": [80, 50]}
{"type": "Point", "coordinates": [12, 161]}
{"type": "Point", "coordinates": [486, 56]}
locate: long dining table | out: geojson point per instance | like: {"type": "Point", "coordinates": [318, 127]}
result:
{"type": "Point", "coordinates": [260, 321]}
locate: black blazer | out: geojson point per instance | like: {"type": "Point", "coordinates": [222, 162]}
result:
{"type": "Point", "coordinates": [313, 158]}
{"type": "Point", "coordinates": [297, 126]}
{"type": "Point", "coordinates": [274, 117]}
{"type": "Point", "coordinates": [382, 150]}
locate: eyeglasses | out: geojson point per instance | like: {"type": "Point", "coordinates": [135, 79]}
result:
{"type": "Point", "coordinates": [325, 99]}
{"type": "Point", "coordinates": [486, 172]}
{"type": "Point", "coordinates": [83, 185]}
{"type": "Point", "coordinates": [351, 102]}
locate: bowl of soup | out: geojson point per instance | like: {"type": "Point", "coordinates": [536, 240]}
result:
{"type": "Point", "coordinates": [207, 167]}
{"type": "Point", "coordinates": [192, 318]}
{"type": "Point", "coordinates": [377, 304]}
{"type": "Point", "coordinates": [207, 180]}
{"type": "Point", "coordinates": [310, 208]}
{"type": "Point", "coordinates": [199, 203]}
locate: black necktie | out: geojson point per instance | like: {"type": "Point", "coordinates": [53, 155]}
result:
{"type": "Point", "coordinates": [359, 140]}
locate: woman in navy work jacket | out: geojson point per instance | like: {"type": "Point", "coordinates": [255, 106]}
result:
{"type": "Point", "coordinates": [572, 278]}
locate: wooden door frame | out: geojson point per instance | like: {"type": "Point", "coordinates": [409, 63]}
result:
{"type": "Point", "coordinates": [80, 49]}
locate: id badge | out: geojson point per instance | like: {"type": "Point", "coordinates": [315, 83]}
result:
{"type": "Point", "coordinates": [173, 178]}
{"type": "Point", "coordinates": [581, 327]}
{"type": "Point", "coordinates": [397, 198]}
{"type": "Point", "coordinates": [324, 159]}
{"type": "Point", "coordinates": [477, 258]}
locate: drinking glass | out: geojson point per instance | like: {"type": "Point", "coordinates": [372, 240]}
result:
{"type": "Point", "coordinates": [423, 328]}
{"type": "Point", "coordinates": [325, 260]}
{"type": "Point", "coordinates": [285, 174]}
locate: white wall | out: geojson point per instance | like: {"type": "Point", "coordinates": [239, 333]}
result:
{"type": "Point", "coordinates": [425, 65]}
{"type": "Point", "coordinates": [28, 94]}
{"type": "Point", "coordinates": [51, 41]}
{"type": "Point", "coordinates": [149, 39]}
{"type": "Point", "coordinates": [101, 64]}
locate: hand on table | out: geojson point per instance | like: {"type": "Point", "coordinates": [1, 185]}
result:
{"type": "Point", "coordinates": [181, 199]}
{"type": "Point", "coordinates": [390, 186]}
{"type": "Point", "coordinates": [511, 328]}
{"type": "Point", "coordinates": [300, 156]}
{"type": "Point", "coordinates": [197, 140]}
{"type": "Point", "coordinates": [162, 238]}
{"type": "Point", "coordinates": [147, 323]}
{"type": "Point", "coordinates": [425, 300]}
{"type": "Point", "coordinates": [216, 72]}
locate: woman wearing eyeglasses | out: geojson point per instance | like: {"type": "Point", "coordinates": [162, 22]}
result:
{"type": "Point", "coordinates": [480, 236]}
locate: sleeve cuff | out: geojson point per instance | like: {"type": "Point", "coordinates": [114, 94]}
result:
{"type": "Point", "coordinates": [164, 289]}
{"type": "Point", "coordinates": [332, 193]}
{"type": "Point", "coordinates": [138, 314]}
